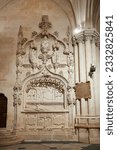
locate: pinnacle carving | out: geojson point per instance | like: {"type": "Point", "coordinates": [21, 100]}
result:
{"type": "Point", "coordinates": [20, 33]}
{"type": "Point", "coordinates": [21, 41]}
{"type": "Point", "coordinates": [45, 24]}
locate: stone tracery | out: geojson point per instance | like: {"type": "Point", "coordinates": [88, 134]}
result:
{"type": "Point", "coordinates": [47, 70]}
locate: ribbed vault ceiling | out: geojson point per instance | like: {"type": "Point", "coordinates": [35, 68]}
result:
{"type": "Point", "coordinates": [79, 12]}
{"type": "Point", "coordinates": [83, 12]}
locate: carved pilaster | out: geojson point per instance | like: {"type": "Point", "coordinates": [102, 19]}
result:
{"type": "Point", "coordinates": [17, 94]}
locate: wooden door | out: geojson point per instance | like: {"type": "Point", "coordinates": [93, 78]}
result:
{"type": "Point", "coordinates": [3, 111]}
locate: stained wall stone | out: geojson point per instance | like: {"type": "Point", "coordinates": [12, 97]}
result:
{"type": "Point", "coordinates": [27, 13]}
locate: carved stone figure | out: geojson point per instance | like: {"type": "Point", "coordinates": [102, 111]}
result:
{"type": "Point", "coordinates": [33, 55]}
{"type": "Point", "coordinates": [45, 46]}
{"type": "Point", "coordinates": [31, 95]}
{"type": "Point", "coordinates": [71, 95]}
{"type": "Point", "coordinates": [44, 94]}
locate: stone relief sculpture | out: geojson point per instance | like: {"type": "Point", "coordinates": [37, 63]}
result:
{"type": "Point", "coordinates": [44, 70]}
{"type": "Point", "coordinates": [45, 45]}
{"type": "Point", "coordinates": [45, 48]}
{"type": "Point", "coordinates": [33, 55]}
{"type": "Point", "coordinates": [58, 120]}
{"type": "Point", "coordinates": [71, 95]}
{"type": "Point", "coordinates": [47, 69]}
{"type": "Point", "coordinates": [45, 121]}
{"type": "Point", "coordinates": [44, 94]}
{"type": "Point", "coordinates": [31, 121]}
{"type": "Point", "coordinates": [41, 122]}
{"type": "Point", "coordinates": [31, 95]}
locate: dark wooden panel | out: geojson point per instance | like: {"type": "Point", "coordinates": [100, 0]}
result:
{"type": "Point", "coordinates": [3, 110]}
{"type": "Point", "coordinates": [83, 90]}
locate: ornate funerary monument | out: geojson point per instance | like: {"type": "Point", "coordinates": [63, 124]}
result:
{"type": "Point", "coordinates": [56, 92]}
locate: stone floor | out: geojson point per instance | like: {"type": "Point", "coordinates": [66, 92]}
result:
{"type": "Point", "coordinates": [52, 146]}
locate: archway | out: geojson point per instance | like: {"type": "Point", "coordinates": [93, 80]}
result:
{"type": "Point", "coordinates": [3, 110]}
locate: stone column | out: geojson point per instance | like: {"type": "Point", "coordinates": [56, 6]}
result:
{"type": "Point", "coordinates": [89, 62]}
{"type": "Point", "coordinates": [76, 69]}
{"type": "Point", "coordinates": [88, 55]}
{"type": "Point", "coordinates": [95, 85]}
{"type": "Point", "coordinates": [16, 103]}
{"type": "Point", "coordinates": [76, 61]}
{"type": "Point", "coordinates": [96, 77]}
{"type": "Point", "coordinates": [83, 133]}
{"type": "Point", "coordinates": [82, 71]}
{"type": "Point", "coordinates": [15, 110]}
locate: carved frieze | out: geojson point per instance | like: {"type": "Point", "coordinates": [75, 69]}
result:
{"type": "Point", "coordinates": [31, 120]}
{"type": "Point", "coordinates": [41, 122]}
{"type": "Point", "coordinates": [46, 82]}
{"type": "Point", "coordinates": [45, 121]}
{"type": "Point", "coordinates": [44, 94]}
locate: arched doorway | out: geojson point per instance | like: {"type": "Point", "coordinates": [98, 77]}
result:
{"type": "Point", "coordinates": [3, 110]}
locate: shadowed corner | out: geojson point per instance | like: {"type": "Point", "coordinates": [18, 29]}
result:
{"type": "Point", "coordinates": [92, 147]}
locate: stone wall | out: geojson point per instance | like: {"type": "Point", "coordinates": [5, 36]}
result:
{"type": "Point", "coordinates": [44, 70]}
{"type": "Point", "coordinates": [28, 14]}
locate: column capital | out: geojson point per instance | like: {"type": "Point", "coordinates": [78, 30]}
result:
{"type": "Point", "coordinates": [80, 38]}
{"type": "Point", "coordinates": [87, 34]}
{"type": "Point", "coordinates": [91, 34]}
{"type": "Point", "coordinates": [74, 42]}
{"type": "Point", "coordinates": [97, 43]}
